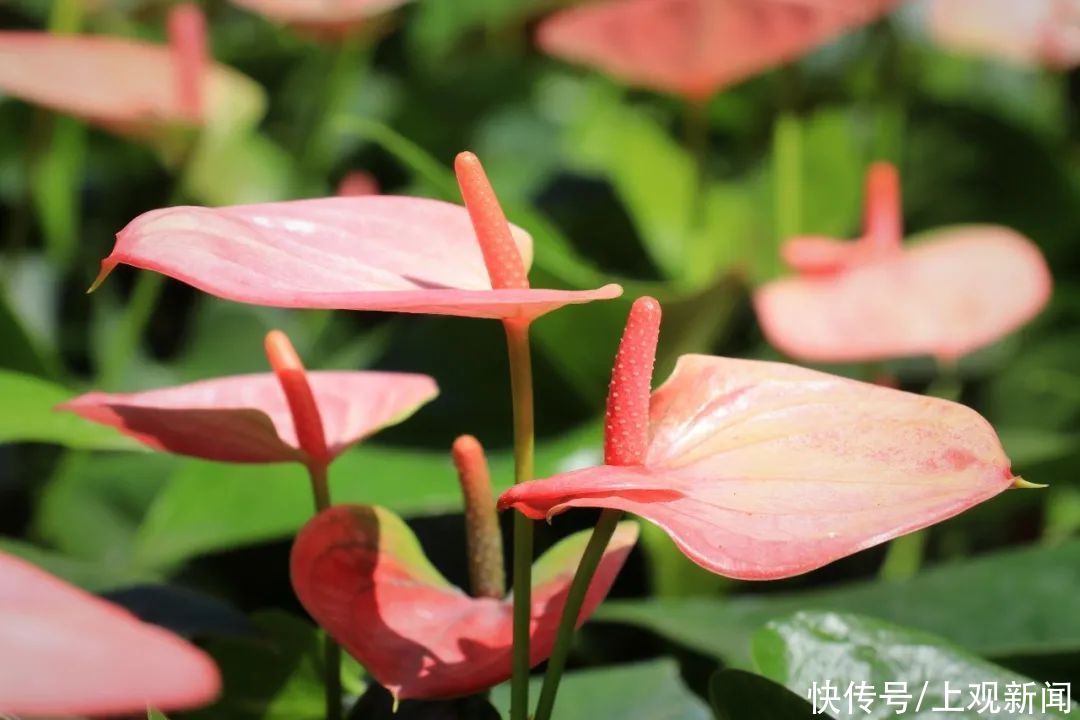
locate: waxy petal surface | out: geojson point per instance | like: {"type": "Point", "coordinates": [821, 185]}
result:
{"type": "Point", "coordinates": [66, 652]}
{"type": "Point", "coordinates": [696, 47]}
{"type": "Point", "coordinates": [125, 85]}
{"type": "Point", "coordinates": [1032, 32]}
{"type": "Point", "coordinates": [762, 470]}
{"type": "Point", "coordinates": [362, 575]}
{"type": "Point", "coordinates": [246, 418]}
{"type": "Point", "coordinates": [388, 253]}
{"type": "Point", "coordinates": [945, 295]}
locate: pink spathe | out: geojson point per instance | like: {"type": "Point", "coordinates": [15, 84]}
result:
{"type": "Point", "coordinates": [246, 418]}
{"type": "Point", "coordinates": [761, 470]}
{"type": "Point", "coordinates": [947, 293]}
{"type": "Point", "coordinates": [694, 48]}
{"type": "Point", "coordinates": [1029, 32]}
{"type": "Point", "coordinates": [387, 253]}
{"type": "Point", "coordinates": [67, 652]}
{"type": "Point", "coordinates": [362, 575]}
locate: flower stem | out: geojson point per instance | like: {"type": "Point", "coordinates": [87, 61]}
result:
{"type": "Point", "coordinates": [517, 343]}
{"type": "Point", "coordinates": [697, 142]}
{"type": "Point", "coordinates": [320, 488]}
{"type": "Point", "coordinates": [575, 598]}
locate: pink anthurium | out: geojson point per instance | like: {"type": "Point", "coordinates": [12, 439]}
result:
{"type": "Point", "coordinates": [130, 87]}
{"type": "Point", "coordinates": [325, 17]}
{"type": "Point", "coordinates": [693, 48]}
{"type": "Point", "coordinates": [389, 253]}
{"type": "Point", "coordinates": [1032, 32]}
{"type": "Point", "coordinates": [358, 184]}
{"type": "Point", "coordinates": [263, 417]}
{"type": "Point", "coordinates": [946, 294]}
{"type": "Point", "coordinates": [761, 470]}
{"type": "Point", "coordinates": [67, 652]}
{"type": "Point", "coordinates": [362, 575]}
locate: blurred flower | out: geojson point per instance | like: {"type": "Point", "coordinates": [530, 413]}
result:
{"type": "Point", "coordinates": [67, 652]}
{"type": "Point", "coordinates": [694, 48]}
{"type": "Point", "coordinates": [386, 253]}
{"type": "Point", "coordinates": [760, 470]}
{"type": "Point", "coordinates": [363, 576]}
{"type": "Point", "coordinates": [262, 418]}
{"type": "Point", "coordinates": [1030, 32]}
{"type": "Point", "coordinates": [358, 184]}
{"type": "Point", "coordinates": [129, 87]}
{"type": "Point", "coordinates": [948, 293]}
{"type": "Point", "coordinates": [328, 18]}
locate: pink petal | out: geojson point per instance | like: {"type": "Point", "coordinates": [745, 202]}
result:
{"type": "Point", "coordinates": [947, 295]}
{"type": "Point", "coordinates": [1032, 32]}
{"type": "Point", "coordinates": [68, 652]}
{"type": "Point", "coordinates": [397, 254]}
{"type": "Point", "coordinates": [696, 47]}
{"type": "Point", "coordinates": [246, 418]}
{"type": "Point", "coordinates": [362, 575]}
{"type": "Point", "coordinates": [813, 255]}
{"type": "Point", "coordinates": [320, 13]}
{"type": "Point", "coordinates": [125, 85]}
{"type": "Point", "coordinates": [762, 470]}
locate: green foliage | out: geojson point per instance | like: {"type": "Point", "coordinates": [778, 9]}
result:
{"type": "Point", "coordinates": [276, 674]}
{"type": "Point", "coordinates": [646, 691]}
{"type": "Point", "coordinates": [928, 601]}
{"type": "Point", "coordinates": [840, 649]}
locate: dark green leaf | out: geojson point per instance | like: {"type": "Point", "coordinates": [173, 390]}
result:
{"type": "Point", "coordinates": [276, 675]}
{"type": "Point", "coordinates": [643, 691]}
{"type": "Point", "coordinates": [1023, 582]}
{"type": "Point", "coordinates": [739, 695]}
{"type": "Point", "coordinates": [811, 651]}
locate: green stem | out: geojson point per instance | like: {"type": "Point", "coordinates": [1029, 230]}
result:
{"type": "Point", "coordinates": [697, 142]}
{"type": "Point", "coordinates": [575, 598]}
{"type": "Point", "coordinates": [787, 173]}
{"type": "Point", "coordinates": [140, 308]}
{"type": "Point", "coordinates": [320, 488]}
{"type": "Point", "coordinates": [517, 343]}
{"type": "Point", "coordinates": [904, 557]}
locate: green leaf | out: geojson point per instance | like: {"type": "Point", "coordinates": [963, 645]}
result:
{"type": "Point", "coordinates": [642, 691]}
{"type": "Point", "coordinates": [197, 510]}
{"type": "Point", "coordinates": [29, 416]}
{"type": "Point", "coordinates": [156, 715]}
{"type": "Point", "coordinates": [1026, 582]}
{"type": "Point", "coordinates": [810, 650]}
{"type": "Point", "coordinates": [22, 352]}
{"type": "Point", "coordinates": [87, 574]}
{"type": "Point", "coordinates": [56, 179]}
{"type": "Point", "coordinates": [277, 675]}
{"type": "Point", "coordinates": [739, 695]}
{"type": "Point", "coordinates": [92, 505]}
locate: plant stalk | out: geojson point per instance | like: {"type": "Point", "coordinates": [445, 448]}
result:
{"type": "Point", "coordinates": [517, 343]}
{"type": "Point", "coordinates": [320, 488]}
{"type": "Point", "coordinates": [575, 598]}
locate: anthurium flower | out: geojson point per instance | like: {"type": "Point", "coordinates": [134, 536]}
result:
{"type": "Point", "coordinates": [693, 48]}
{"type": "Point", "coordinates": [389, 253]}
{"type": "Point", "coordinates": [66, 652]}
{"type": "Point", "coordinates": [362, 575]}
{"type": "Point", "coordinates": [945, 294]}
{"type": "Point", "coordinates": [760, 470]}
{"type": "Point", "coordinates": [1032, 32]}
{"type": "Point", "coordinates": [358, 184]}
{"type": "Point", "coordinates": [326, 17]}
{"type": "Point", "coordinates": [251, 418]}
{"type": "Point", "coordinates": [127, 86]}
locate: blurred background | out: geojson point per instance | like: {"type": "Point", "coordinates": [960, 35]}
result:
{"type": "Point", "coordinates": [604, 177]}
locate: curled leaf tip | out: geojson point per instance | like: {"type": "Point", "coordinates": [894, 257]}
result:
{"type": "Point", "coordinates": [191, 57]}
{"type": "Point", "coordinates": [1020, 483]}
{"type": "Point", "coordinates": [292, 376]}
{"type": "Point", "coordinates": [483, 537]}
{"type": "Point", "coordinates": [626, 422]}
{"type": "Point", "coordinates": [501, 255]}
{"type": "Point", "coordinates": [884, 217]}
